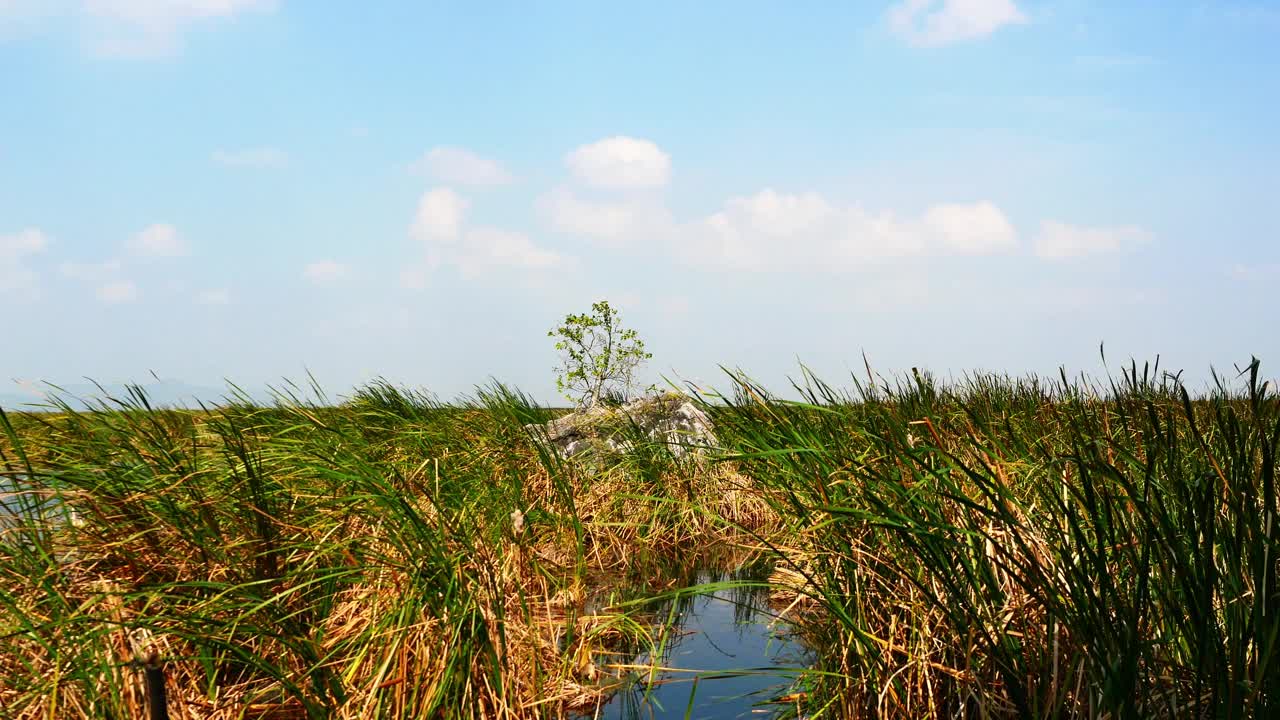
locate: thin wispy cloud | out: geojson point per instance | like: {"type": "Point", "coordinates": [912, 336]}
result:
{"type": "Point", "coordinates": [609, 222]}
{"type": "Point", "coordinates": [157, 241]}
{"type": "Point", "coordinates": [16, 276]}
{"type": "Point", "coordinates": [117, 292]}
{"type": "Point", "coordinates": [416, 277]}
{"type": "Point", "coordinates": [1061, 241]}
{"type": "Point", "coordinates": [935, 23]}
{"type": "Point", "coordinates": [1255, 271]}
{"type": "Point", "coordinates": [24, 242]}
{"type": "Point", "coordinates": [486, 248]}
{"type": "Point", "coordinates": [213, 296]}
{"type": "Point", "coordinates": [325, 272]}
{"type": "Point", "coordinates": [20, 17]}
{"type": "Point", "coordinates": [148, 28]}
{"type": "Point", "coordinates": [439, 216]}
{"type": "Point", "coordinates": [91, 271]}
{"type": "Point", "coordinates": [459, 166]}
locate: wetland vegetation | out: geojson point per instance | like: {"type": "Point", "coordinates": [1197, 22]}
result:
{"type": "Point", "coordinates": [987, 547]}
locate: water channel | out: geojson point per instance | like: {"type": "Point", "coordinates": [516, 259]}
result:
{"type": "Point", "coordinates": [725, 655]}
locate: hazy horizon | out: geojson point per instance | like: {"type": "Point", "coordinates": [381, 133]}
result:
{"type": "Point", "coordinates": [26, 395]}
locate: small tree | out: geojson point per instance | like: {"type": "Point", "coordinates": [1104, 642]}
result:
{"type": "Point", "coordinates": [597, 355]}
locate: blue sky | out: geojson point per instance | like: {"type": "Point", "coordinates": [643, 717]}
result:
{"type": "Point", "coordinates": [247, 189]}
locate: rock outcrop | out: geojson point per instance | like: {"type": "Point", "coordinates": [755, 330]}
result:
{"type": "Point", "coordinates": [601, 432]}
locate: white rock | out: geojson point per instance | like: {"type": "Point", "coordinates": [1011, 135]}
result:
{"type": "Point", "coordinates": [670, 418]}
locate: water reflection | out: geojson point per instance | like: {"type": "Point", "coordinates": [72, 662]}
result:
{"type": "Point", "coordinates": [721, 655]}
{"type": "Point", "coordinates": [24, 508]}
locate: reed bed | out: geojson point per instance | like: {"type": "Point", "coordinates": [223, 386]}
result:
{"type": "Point", "coordinates": [1003, 547]}
{"type": "Point", "coordinates": [989, 547]}
{"type": "Point", "coordinates": [388, 557]}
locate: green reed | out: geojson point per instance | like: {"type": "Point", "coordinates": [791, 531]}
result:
{"type": "Point", "coordinates": [1020, 547]}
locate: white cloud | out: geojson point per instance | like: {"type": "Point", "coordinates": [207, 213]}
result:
{"type": "Point", "coordinates": [213, 296]}
{"type": "Point", "coordinates": [439, 216]}
{"type": "Point", "coordinates": [611, 223]}
{"type": "Point", "coordinates": [779, 215]}
{"type": "Point", "coordinates": [158, 240]}
{"type": "Point", "coordinates": [779, 231]}
{"type": "Point", "coordinates": [620, 163]}
{"type": "Point", "coordinates": [155, 27]}
{"type": "Point", "coordinates": [933, 23]}
{"type": "Point", "coordinates": [121, 291]}
{"type": "Point", "coordinates": [324, 272]}
{"type": "Point", "coordinates": [977, 229]}
{"type": "Point", "coordinates": [263, 157]}
{"type": "Point", "coordinates": [776, 231]}
{"type": "Point", "coordinates": [459, 166]}
{"type": "Point", "coordinates": [439, 223]}
{"type": "Point", "coordinates": [1060, 241]}
{"type": "Point", "coordinates": [484, 248]}
{"type": "Point", "coordinates": [15, 276]}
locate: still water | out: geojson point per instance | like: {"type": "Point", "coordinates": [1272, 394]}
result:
{"type": "Point", "coordinates": [725, 657]}
{"type": "Point", "coordinates": [20, 506]}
